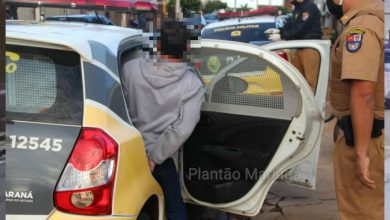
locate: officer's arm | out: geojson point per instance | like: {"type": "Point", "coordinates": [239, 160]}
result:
{"type": "Point", "coordinates": [362, 105]}
{"type": "Point", "coordinates": [361, 61]}
{"type": "Point", "coordinates": [360, 65]}
{"type": "Point", "coordinates": [295, 31]}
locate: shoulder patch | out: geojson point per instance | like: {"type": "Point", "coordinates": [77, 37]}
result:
{"type": "Point", "coordinates": [354, 39]}
{"type": "Point", "coordinates": [305, 16]}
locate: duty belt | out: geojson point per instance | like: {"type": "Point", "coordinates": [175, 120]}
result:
{"type": "Point", "coordinates": [345, 123]}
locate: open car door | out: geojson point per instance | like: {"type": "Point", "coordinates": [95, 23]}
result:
{"type": "Point", "coordinates": [304, 174]}
{"type": "Point", "coordinates": [260, 118]}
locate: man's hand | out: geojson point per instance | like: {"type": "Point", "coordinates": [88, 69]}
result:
{"type": "Point", "coordinates": [362, 165]}
{"type": "Point", "coordinates": [271, 31]}
{"type": "Point", "coordinates": [152, 164]}
{"type": "Point", "coordinates": [275, 37]}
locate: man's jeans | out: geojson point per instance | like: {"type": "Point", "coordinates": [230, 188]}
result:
{"type": "Point", "coordinates": [168, 178]}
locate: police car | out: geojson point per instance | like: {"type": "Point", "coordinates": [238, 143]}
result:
{"type": "Point", "coordinates": [86, 18]}
{"type": "Point", "coordinates": [73, 153]}
{"type": "Point", "coordinates": [247, 30]}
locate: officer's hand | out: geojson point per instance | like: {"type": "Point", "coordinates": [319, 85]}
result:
{"type": "Point", "coordinates": [275, 37]}
{"type": "Point", "coordinates": [152, 164]}
{"type": "Point", "coordinates": [362, 165]}
{"type": "Point", "coordinates": [270, 31]}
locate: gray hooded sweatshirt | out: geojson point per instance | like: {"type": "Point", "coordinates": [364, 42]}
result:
{"type": "Point", "coordinates": [164, 102]}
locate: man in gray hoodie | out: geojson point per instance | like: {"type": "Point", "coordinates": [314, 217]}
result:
{"type": "Point", "coordinates": [164, 99]}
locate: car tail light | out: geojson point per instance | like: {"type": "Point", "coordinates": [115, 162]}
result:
{"type": "Point", "coordinates": [86, 185]}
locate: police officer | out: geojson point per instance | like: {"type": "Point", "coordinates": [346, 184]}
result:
{"type": "Point", "coordinates": [357, 99]}
{"type": "Point", "coordinates": [304, 24]}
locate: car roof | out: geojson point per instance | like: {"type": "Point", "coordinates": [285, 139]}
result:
{"type": "Point", "coordinates": [235, 21]}
{"type": "Point", "coordinates": [76, 16]}
{"type": "Point", "coordinates": [80, 37]}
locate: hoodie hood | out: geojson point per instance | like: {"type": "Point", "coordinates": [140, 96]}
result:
{"type": "Point", "coordinates": [161, 74]}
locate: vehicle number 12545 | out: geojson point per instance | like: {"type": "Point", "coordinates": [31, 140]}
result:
{"type": "Point", "coordinates": [35, 143]}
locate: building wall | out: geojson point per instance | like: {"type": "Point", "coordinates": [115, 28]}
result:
{"type": "Point", "coordinates": [29, 13]}
{"type": "Point", "coordinates": [117, 18]}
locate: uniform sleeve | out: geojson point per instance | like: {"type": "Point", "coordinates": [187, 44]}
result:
{"type": "Point", "coordinates": [180, 130]}
{"type": "Point", "coordinates": [301, 25]}
{"type": "Point", "coordinates": [361, 55]}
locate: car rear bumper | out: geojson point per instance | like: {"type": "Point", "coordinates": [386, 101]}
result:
{"type": "Point", "coordinates": [57, 215]}
{"type": "Point", "coordinates": [63, 216]}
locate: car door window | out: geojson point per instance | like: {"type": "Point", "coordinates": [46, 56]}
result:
{"type": "Point", "coordinates": [246, 83]}
{"type": "Point", "coordinates": [306, 61]}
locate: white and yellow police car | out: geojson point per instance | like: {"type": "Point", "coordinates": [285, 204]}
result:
{"type": "Point", "coordinates": [73, 153]}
